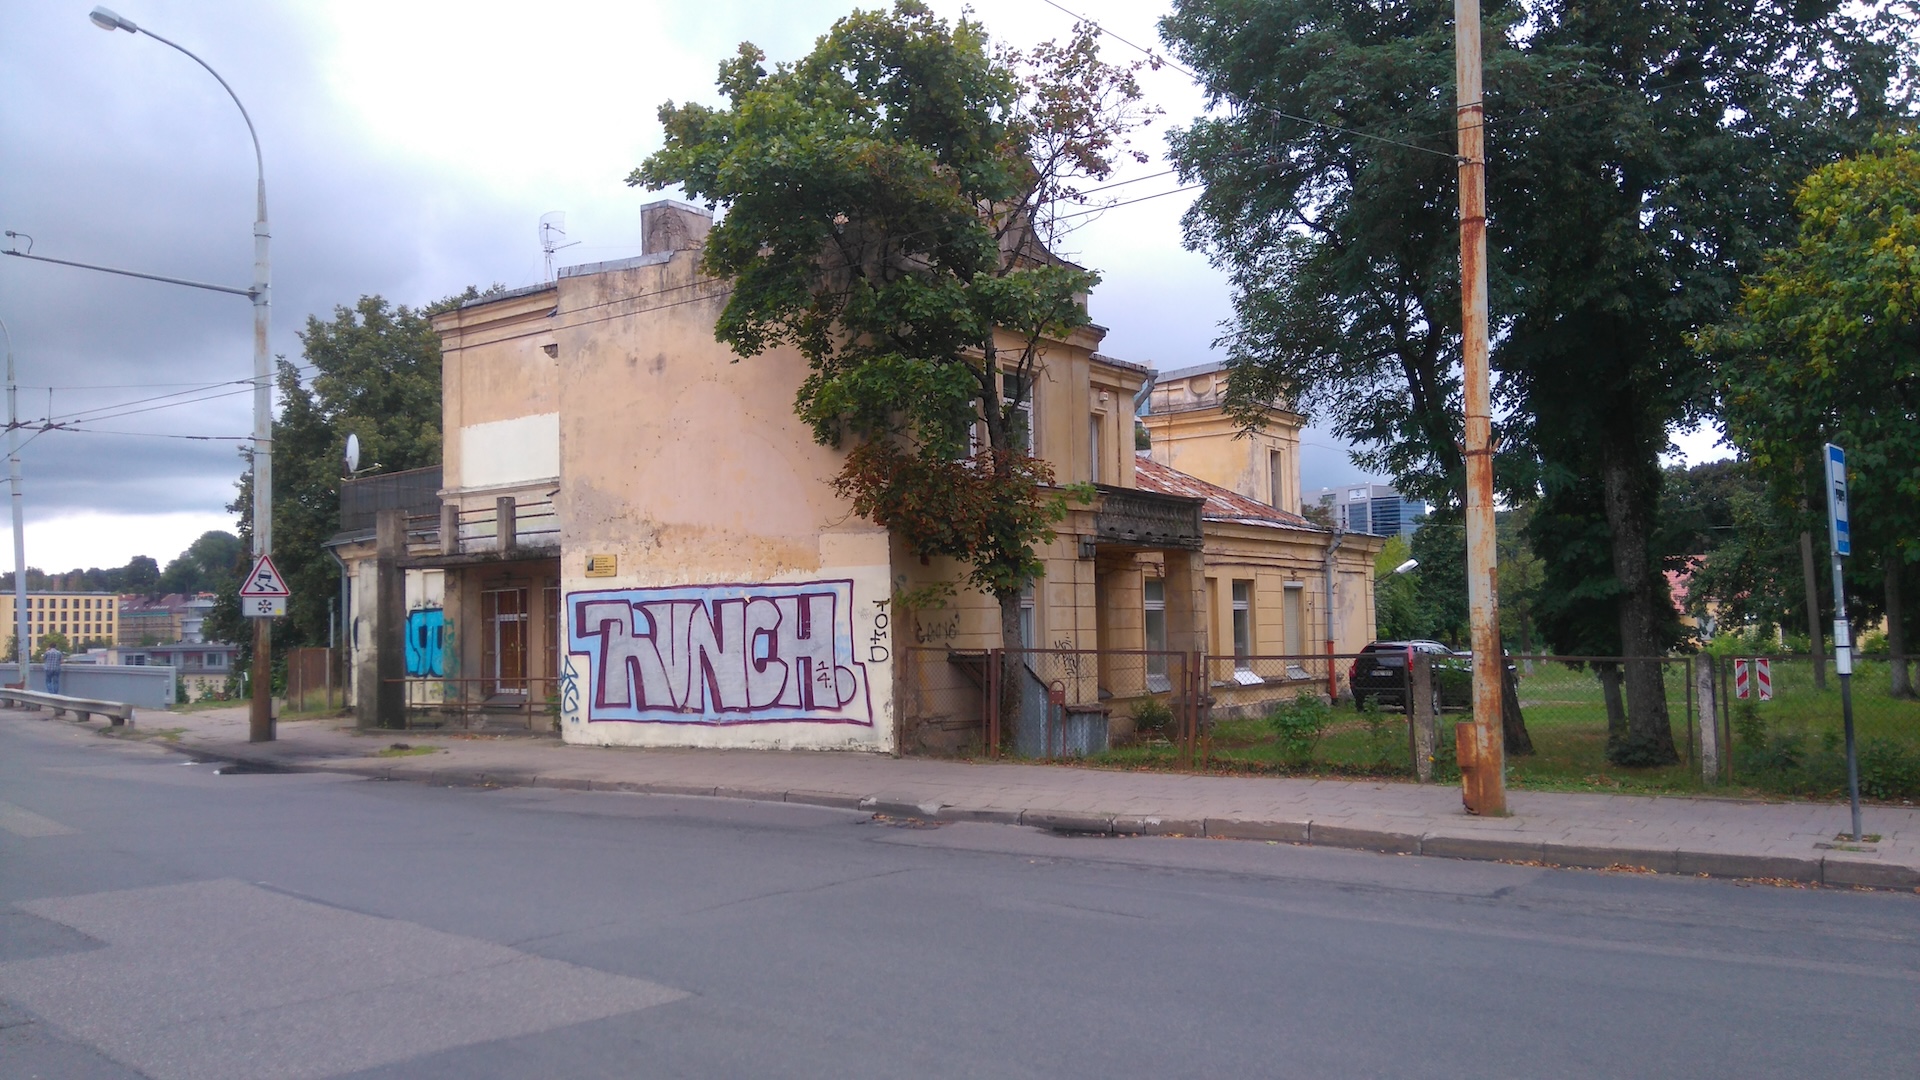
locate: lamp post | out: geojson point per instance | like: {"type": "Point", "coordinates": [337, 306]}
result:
{"type": "Point", "coordinates": [23, 646]}
{"type": "Point", "coordinates": [260, 725]}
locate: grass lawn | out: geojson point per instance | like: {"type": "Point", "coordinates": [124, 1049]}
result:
{"type": "Point", "coordinates": [1785, 746]}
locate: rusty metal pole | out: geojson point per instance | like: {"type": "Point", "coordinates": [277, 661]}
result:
{"type": "Point", "coordinates": [1481, 748]}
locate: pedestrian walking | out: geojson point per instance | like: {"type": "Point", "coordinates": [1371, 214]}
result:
{"type": "Point", "coordinates": [52, 662]}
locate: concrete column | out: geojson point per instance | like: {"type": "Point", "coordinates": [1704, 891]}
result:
{"type": "Point", "coordinates": [1185, 573]}
{"type": "Point", "coordinates": [1709, 718]}
{"type": "Point", "coordinates": [449, 528]}
{"type": "Point", "coordinates": [505, 528]}
{"type": "Point", "coordinates": [380, 696]}
{"type": "Point", "coordinates": [1425, 732]}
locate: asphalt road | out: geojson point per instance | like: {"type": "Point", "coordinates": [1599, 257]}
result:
{"type": "Point", "coordinates": [159, 918]}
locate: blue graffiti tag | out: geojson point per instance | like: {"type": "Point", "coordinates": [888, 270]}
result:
{"type": "Point", "coordinates": [426, 629]}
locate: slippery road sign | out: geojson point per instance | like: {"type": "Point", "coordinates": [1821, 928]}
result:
{"type": "Point", "coordinates": [264, 581]}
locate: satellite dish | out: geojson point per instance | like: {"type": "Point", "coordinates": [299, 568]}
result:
{"type": "Point", "coordinates": [353, 453]}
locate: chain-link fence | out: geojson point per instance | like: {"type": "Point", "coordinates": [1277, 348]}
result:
{"type": "Point", "coordinates": [1781, 720]}
{"type": "Point", "coordinates": [1570, 721]}
{"type": "Point", "coordinates": [1048, 703]}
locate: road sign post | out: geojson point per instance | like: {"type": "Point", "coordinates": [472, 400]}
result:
{"type": "Point", "coordinates": [263, 596]}
{"type": "Point", "coordinates": [1839, 529]}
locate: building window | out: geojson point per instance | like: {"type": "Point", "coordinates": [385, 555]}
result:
{"type": "Point", "coordinates": [1012, 386]}
{"type": "Point", "coordinates": [1294, 614]}
{"type": "Point", "coordinates": [1155, 593]}
{"type": "Point", "coordinates": [1028, 633]}
{"type": "Point", "coordinates": [1242, 623]}
{"type": "Point", "coordinates": [1093, 448]}
{"type": "Point", "coordinates": [1276, 479]}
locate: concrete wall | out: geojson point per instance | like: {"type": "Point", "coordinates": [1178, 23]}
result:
{"type": "Point", "coordinates": [143, 687]}
{"type": "Point", "coordinates": [1192, 434]}
{"type": "Point", "coordinates": [743, 605]}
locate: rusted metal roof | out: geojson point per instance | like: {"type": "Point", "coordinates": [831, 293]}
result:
{"type": "Point", "coordinates": [1222, 504]}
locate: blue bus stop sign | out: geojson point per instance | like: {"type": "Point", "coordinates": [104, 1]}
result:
{"type": "Point", "coordinates": [1837, 500]}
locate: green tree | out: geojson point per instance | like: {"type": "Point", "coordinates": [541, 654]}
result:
{"type": "Point", "coordinates": [1825, 346]}
{"type": "Point", "coordinates": [141, 575]}
{"type": "Point", "coordinates": [208, 564]}
{"type": "Point", "coordinates": [54, 640]}
{"type": "Point", "coordinates": [888, 201]}
{"type": "Point", "coordinates": [1396, 597]}
{"type": "Point", "coordinates": [1341, 250]}
{"type": "Point", "coordinates": [1642, 155]}
{"type": "Point", "coordinates": [376, 374]}
{"type": "Point", "coordinates": [1739, 548]}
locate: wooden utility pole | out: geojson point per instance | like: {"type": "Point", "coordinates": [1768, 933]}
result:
{"type": "Point", "coordinates": [1481, 748]}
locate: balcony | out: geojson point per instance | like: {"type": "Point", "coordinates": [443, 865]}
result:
{"type": "Point", "coordinates": [1131, 517]}
{"type": "Point", "coordinates": [507, 529]}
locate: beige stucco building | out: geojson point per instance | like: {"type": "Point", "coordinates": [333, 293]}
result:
{"type": "Point", "coordinates": [632, 524]}
{"type": "Point", "coordinates": [81, 617]}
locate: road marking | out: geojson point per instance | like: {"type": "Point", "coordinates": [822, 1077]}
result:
{"type": "Point", "coordinates": [23, 822]}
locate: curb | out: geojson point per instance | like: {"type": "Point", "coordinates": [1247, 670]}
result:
{"type": "Point", "coordinates": [1838, 872]}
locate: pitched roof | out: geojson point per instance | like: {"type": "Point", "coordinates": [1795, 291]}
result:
{"type": "Point", "coordinates": [1222, 504]}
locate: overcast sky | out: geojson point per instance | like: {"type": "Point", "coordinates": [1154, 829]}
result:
{"type": "Point", "coordinates": [411, 148]}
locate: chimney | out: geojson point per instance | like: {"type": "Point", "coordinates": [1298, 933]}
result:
{"type": "Point", "coordinates": [668, 225]}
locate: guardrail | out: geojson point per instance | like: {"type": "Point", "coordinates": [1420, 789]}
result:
{"type": "Point", "coordinates": [116, 712]}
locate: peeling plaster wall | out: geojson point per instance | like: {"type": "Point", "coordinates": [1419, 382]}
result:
{"type": "Point", "coordinates": [687, 467]}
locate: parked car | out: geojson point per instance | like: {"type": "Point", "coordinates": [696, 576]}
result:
{"type": "Point", "coordinates": [1380, 673]}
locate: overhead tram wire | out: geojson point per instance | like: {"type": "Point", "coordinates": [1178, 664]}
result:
{"type": "Point", "coordinates": [198, 389]}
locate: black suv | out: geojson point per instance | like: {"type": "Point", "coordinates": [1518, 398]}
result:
{"type": "Point", "coordinates": [1379, 674]}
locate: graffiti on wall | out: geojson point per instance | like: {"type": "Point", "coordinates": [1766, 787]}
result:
{"type": "Point", "coordinates": [426, 642]}
{"type": "Point", "coordinates": [728, 654]}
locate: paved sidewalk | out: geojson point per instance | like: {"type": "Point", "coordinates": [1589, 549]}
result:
{"type": "Point", "coordinates": [1718, 837]}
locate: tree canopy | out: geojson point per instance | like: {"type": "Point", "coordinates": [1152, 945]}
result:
{"type": "Point", "coordinates": [375, 374]}
{"type": "Point", "coordinates": [1641, 158]}
{"type": "Point", "coordinates": [1824, 346]}
{"type": "Point", "coordinates": [889, 199]}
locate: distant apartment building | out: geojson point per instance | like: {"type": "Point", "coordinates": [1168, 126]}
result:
{"type": "Point", "coordinates": [81, 616]}
{"type": "Point", "coordinates": [176, 617]}
{"type": "Point", "coordinates": [203, 667]}
{"type": "Point", "coordinates": [1374, 509]}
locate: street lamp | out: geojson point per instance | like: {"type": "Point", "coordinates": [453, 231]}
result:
{"type": "Point", "coordinates": [22, 644]}
{"type": "Point", "coordinates": [260, 725]}
{"type": "Point", "coordinates": [1407, 567]}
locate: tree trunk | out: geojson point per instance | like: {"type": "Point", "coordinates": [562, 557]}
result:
{"type": "Point", "coordinates": [1513, 726]}
{"type": "Point", "coordinates": [1616, 711]}
{"type": "Point", "coordinates": [1012, 664]}
{"type": "Point", "coordinates": [1902, 684]}
{"type": "Point", "coordinates": [1649, 729]}
{"type": "Point", "coordinates": [1813, 609]}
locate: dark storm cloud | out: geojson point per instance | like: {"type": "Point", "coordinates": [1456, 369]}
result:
{"type": "Point", "coordinates": [120, 151]}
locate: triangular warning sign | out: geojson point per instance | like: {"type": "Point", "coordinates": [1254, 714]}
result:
{"type": "Point", "coordinates": [264, 580]}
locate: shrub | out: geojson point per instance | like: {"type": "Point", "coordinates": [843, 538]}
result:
{"type": "Point", "coordinates": [1298, 724]}
{"type": "Point", "coordinates": [1888, 770]}
{"type": "Point", "coordinates": [1152, 717]}
{"type": "Point", "coordinates": [1380, 731]}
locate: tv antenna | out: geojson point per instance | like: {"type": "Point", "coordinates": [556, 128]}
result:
{"type": "Point", "coordinates": [553, 236]}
